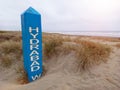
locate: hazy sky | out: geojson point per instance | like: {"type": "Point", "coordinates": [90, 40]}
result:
{"type": "Point", "coordinates": [64, 15]}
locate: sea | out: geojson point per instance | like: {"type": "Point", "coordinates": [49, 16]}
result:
{"type": "Point", "coordinates": [92, 33]}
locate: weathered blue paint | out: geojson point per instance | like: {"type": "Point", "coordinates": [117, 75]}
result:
{"type": "Point", "coordinates": [32, 43]}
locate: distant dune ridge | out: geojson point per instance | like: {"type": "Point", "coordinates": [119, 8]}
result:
{"type": "Point", "coordinates": [69, 63]}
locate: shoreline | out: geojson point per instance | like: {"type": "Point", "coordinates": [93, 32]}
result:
{"type": "Point", "coordinates": [96, 34]}
{"type": "Point", "coordinates": [111, 34]}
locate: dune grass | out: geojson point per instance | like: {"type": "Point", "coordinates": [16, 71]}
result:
{"type": "Point", "coordinates": [10, 46]}
{"type": "Point", "coordinates": [6, 61]}
{"type": "Point", "coordinates": [10, 52]}
{"type": "Point", "coordinates": [50, 45]}
{"type": "Point", "coordinates": [109, 39]}
{"type": "Point", "coordinates": [118, 45]}
{"type": "Point", "coordinates": [87, 53]}
{"type": "Point", "coordinates": [4, 35]}
{"type": "Point", "coordinates": [91, 53]}
{"type": "Point", "coordinates": [22, 78]}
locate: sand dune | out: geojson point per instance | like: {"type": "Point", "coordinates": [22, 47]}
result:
{"type": "Point", "coordinates": [62, 71]}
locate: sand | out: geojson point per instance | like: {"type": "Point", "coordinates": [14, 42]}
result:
{"type": "Point", "coordinates": [62, 75]}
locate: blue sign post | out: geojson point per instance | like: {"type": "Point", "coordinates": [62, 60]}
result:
{"type": "Point", "coordinates": [32, 43]}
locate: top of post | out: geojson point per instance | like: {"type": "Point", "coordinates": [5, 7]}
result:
{"type": "Point", "coordinates": [31, 10]}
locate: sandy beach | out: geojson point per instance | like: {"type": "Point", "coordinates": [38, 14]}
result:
{"type": "Point", "coordinates": [73, 63]}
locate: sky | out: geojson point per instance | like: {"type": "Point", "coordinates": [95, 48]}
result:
{"type": "Point", "coordinates": [64, 15]}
